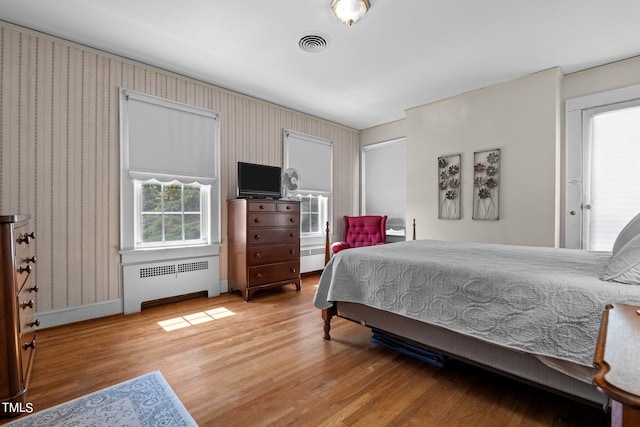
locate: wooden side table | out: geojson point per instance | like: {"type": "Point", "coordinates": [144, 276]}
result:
{"type": "Point", "coordinates": [618, 358]}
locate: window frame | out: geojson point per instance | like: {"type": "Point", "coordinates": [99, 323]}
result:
{"type": "Point", "coordinates": [289, 138]}
{"type": "Point", "coordinates": [384, 196]}
{"type": "Point", "coordinates": [208, 175]}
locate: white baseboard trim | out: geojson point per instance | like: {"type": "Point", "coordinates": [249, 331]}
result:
{"type": "Point", "coordinates": [62, 316]}
{"type": "Point", "coordinates": [79, 313]}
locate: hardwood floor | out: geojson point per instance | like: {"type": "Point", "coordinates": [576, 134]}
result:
{"type": "Point", "coordinates": [264, 362]}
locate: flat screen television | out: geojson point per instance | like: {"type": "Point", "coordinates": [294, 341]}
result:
{"type": "Point", "coordinates": [259, 181]}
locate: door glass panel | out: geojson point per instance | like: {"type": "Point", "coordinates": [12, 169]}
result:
{"type": "Point", "coordinates": [614, 196]}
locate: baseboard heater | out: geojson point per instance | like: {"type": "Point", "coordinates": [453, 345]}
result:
{"type": "Point", "coordinates": [413, 350]}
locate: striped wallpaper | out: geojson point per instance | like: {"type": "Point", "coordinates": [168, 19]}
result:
{"type": "Point", "coordinates": [59, 154]}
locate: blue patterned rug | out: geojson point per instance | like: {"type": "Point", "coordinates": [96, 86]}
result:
{"type": "Point", "coordinates": [143, 401]}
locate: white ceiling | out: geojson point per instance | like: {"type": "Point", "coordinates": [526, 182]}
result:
{"type": "Point", "coordinates": [402, 54]}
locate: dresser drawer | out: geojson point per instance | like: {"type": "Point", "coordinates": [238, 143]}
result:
{"type": "Point", "coordinates": [24, 244]}
{"type": "Point", "coordinates": [24, 258]}
{"type": "Point", "coordinates": [263, 206]}
{"type": "Point", "coordinates": [27, 348]}
{"type": "Point", "coordinates": [288, 207]}
{"type": "Point", "coordinates": [272, 220]}
{"type": "Point", "coordinates": [258, 255]}
{"type": "Point", "coordinates": [27, 308]}
{"type": "Point", "coordinates": [258, 236]}
{"type": "Point", "coordinates": [260, 275]}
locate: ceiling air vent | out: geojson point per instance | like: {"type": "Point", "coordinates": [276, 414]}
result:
{"type": "Point", "coordinates": [312, 43]}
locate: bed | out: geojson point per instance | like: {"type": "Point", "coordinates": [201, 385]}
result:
{"type": "Point", "coordinates": [527, 312]}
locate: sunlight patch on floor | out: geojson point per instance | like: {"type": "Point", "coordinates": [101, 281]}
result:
{"type": "Point", "coordinates": [195, 319]}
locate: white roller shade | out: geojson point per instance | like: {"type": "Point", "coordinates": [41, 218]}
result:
{"type": "Point", "coordinates": [311, 156]}
{"type": "Point", "coordinates": [384, 180]}
{"type": "Point", "coordinates": [615, 150]}
{"type": "Point", "coordinates": [167, 138]}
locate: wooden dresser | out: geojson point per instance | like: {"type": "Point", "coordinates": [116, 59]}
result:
{"type": "Point", "coordinates": [264, 244]}
{"type": "Point", "coordinates": [17, 315]}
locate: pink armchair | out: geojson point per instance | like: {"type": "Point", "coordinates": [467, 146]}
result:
{"type": "Point", "coordinates": [361, 231]}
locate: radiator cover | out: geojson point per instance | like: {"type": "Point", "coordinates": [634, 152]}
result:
{"type": "Point", "coordinates": [152, 281]}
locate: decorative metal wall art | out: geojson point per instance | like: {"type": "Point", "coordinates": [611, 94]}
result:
{"type": "Point", "coordinates": [449, 179]}
{"type": "Point", "coordinates": [486, 183]}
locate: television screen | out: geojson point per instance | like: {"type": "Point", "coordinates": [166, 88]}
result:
{"type": "Point", "coordinates": [258, 181]}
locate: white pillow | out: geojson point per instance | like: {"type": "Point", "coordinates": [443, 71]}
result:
{"type": "Point", "coordinates": [624, 266]}
{"type": "Point", "coordinates": [631, 230]}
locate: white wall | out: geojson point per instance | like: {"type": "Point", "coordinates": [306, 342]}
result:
{"type": "Point", "coordinates": [472, 120]}
{"type": "Point", "coordinates": [519, 118]}
{"type": "Point", "coordinates": [382, 133]}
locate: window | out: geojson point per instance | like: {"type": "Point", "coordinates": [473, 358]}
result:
{"type": "Point", "coordinates": [603, 145]}
{"type": "Point", "coordinates": [312, 158]}
{"type": "Point", "coordinates": [384, 183]}
{"type": "Point", "coordinates": [169, 175]}
{"type": "Point", "coordinates": [313, 213]}
{"type": "Point", "coordinates": [171, 214]}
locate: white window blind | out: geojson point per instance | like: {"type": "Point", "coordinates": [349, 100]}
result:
{"type": "Point", "coordinates": [311, 156]}
{"type": "Point", "coordinates": [384, 180]}
{"type": "Point", "coordinates": [614, 158]}
{"type": "Point", "coordinates": [169, 140]}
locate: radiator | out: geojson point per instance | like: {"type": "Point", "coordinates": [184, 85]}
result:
{"type": "Point", "coordinates": [153, 281]}
{"type": "Point", "coordinates": [311, 259]}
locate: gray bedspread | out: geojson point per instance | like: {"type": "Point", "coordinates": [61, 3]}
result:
{"type": "Point", "coordinates": [544, 301]}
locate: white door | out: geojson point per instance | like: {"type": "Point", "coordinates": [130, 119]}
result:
{"type": "Point", "coordinates": [603, 170]}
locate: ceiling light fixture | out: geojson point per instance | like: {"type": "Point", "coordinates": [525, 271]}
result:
{"type": "Point", "coordinates": [350, 11]}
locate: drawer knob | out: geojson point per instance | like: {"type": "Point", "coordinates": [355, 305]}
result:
{"type": "Point", "coordinates": [31, 260]}
{"type": "Point", "coordinates": [24, 269]}
{"type": "Point", "coordinates": [257, 220]}
{"type": "Point", "coordinates": [292, 251]}
{"type": "Point", "coordinates": [34, 323]}
{"type": "Point", "coordinates": [33, 289]}
{"type": "Point", "coordinates": [258, 255]}
{"type": "Point", "coordinates": [259, 276]}
{"type": "Point", "coordinates": [293, 269]}
{"type": "Point", "coordinates": [292, 219]}
{"type": "Point", "coordinates": [292, 234]}
{"type": "Point", "coordinates": [24, 239]}
{"type": "Point", "coordinates": [257, 236]}
{"type": "Point", "coordinates": [261, 206]}
{"type": "Point", "coordinates": [29, 304]}
{"type": "Point", "coordinates": [288, 207]}
{"type": "Point", "coordinates": [31, 345]}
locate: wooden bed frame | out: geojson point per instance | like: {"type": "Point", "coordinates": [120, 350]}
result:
{"type": "Point", "coordinates": [560, 377]}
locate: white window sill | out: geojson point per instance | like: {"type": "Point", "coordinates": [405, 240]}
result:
{"type": "Point", "coordinates": [135, 256]}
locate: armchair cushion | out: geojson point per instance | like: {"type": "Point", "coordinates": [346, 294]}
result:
{"type": "Point", "coordinates": [338, 246]}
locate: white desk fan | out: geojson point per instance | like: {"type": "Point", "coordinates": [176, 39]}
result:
{"type": "Point", "coordinates": [290, 182]}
